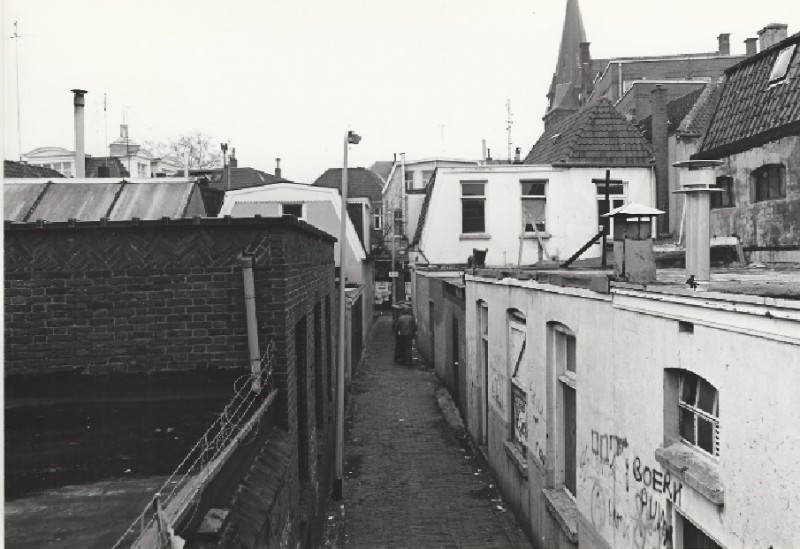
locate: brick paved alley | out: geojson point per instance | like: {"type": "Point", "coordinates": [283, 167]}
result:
{"type": "Point", "coordinates": [411, 480]}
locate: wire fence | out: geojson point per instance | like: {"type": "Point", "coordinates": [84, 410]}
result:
{"type": "Point", "coordinates": [202, 461]}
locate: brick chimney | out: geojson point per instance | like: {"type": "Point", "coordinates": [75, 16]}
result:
{"type": "Point", "coordinates": [751, 46]}
{"type": "Point", "coordinates": [277, 168]}
{"type": "Point", "coordinates": [660, 141]}
{"type": "Point", "coordinates": [517, 153]}
{"type": "Point", "coordinates": [771, 34]}
{"type": "Point", "coordinates": [79, 101]}
{"type": "Point", "coordinates": [724, 41]}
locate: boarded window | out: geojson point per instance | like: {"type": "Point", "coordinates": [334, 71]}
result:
{"type": "Point", "coordinates": [517, 343]}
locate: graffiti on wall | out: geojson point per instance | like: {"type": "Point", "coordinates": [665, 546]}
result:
{"type": "Point", "coordinates": [639, 514]}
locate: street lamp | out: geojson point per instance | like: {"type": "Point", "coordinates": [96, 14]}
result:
{"type": "Point", "coordinates": [338, 486]}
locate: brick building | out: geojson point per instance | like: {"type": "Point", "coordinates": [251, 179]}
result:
{"type": "Point", "coordinates": [126, 324]}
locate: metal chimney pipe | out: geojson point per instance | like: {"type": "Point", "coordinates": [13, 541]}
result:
{"type": "Point", "coordinates": [483, 150]}
{"type": "Point", "coordinates": [697, 178]}
{"type": "Point", "coordinates": [79, 101]}
{"type": "Point", "coordinates": [277, 168]}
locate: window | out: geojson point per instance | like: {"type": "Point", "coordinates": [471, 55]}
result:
{"type": "Point", "coordinates": [292, 209]}
{"type": "Point", "coordinates": [698, 408]}
{"type": "Point", "coordinates": [616, 196]}
{"type": "Point", "coordinates": [141, 170]}
{"type": "Point", "coordinates": [534, 205]}
{"type": "Point", "coordinates": [409, 179]}
{"type": "Point", "coordinates": [398, 222]}
{"type": "Point", "coordinates": [472, 207]}
{"type": "Point", "coordinates": [768, 182]}
{"type": "Point", "coordinates": [426, 177]}
{"type": "Point", "coordinates": [689, 536]}
{"type": "Point", "coordinates": [516, 354]}
{"type": "Point", "coordinates": [723, 199]}
{"type": "Point", "coordinates": [483, 338]}
{"type": "Point", "coordinates": [781, 65]}
{"type": "Point", "coordinates": [377, 219]}
{"type": "Point", "coordinates": [564, 368]}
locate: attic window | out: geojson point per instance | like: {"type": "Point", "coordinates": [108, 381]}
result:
{"type": "Point", "coordinates": [781, 66]}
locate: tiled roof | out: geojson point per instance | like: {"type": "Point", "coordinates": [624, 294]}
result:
{"type": "Point", "coordinates": [12, 168]}
{"type": "Point", "coordinates": [383, 168]}
{"type": "Point", "coordinates": [241, 178]}
{"type": "Point", "coordinates": [677, 110]}
{"type": "Point", "coordinates": [752, 112]}
{"type": "Point", "coordinates": [361, 183]}
{"type": "Point", "coordinates": [697, 120]}
{"type": "Point", "coordinates": [423, 212]}
{"type": "Point", "coordinates": [597, 135]}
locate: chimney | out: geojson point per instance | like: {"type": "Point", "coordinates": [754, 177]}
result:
{"type": "Point", "coordinates": [79, 101]}
{"type": "Point", "coordinates": [660, 141]}
{"type": "Point", "coordinates": [516, 156]}
{"type": "Point", "coordinates": [488, 155]}
{"type": "Point", "coordinates": [698, 179]}
{"type": "Point", "coordinates": [586, 71]}
{"type": "Point", "coordinates": [483, 150]}
{"type": "Point", "coordinates": [232, 161]}
{"type": "Point", "coordinates": [724, 41]}
{"type": "Point", "coordinates": [278, 168]}
{"type": "Point", "coordinates": [771, 34]}
{"type": "Point", "coordinates": [751, 46]}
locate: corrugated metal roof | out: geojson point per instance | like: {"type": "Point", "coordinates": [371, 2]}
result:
{"type": "Point", "coordinates": [18, 198]}
{"type": "Point", "coordinates": [81, 201]}
{"type": "Point", "coordinates": [152, 200]}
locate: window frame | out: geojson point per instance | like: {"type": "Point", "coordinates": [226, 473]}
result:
{"type": "Point", "coordinates": [377, 219]}
{"type": "Point", "coordinates": [778, 73]}
{"type": "Point", "coordinates": [473, 199]}
{"type": "Point", "coordinates": [518, 435]}
{"type": "Point", "coordinates": [616, 200]}
{"type": "Point", "coordinates": [761, 181]}
{"type": "Point", "coordinates": [565, 383]}
{"type": "Point", "coordinates": [302, 215]}
{"type": "Point", "coordinates": [540, 227]}
{"type": "Point", "coordinates": [397, 222]}
{"type": "Point", "coordinates": [697, 412]}
{"type": "Point", "coordinates": [725, 198]}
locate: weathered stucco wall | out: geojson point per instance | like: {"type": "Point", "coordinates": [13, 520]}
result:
{"type": "Point", "coordinates": [571, 212]}
{"type": "Point", "coordinates": [627, 347]}
{"type": "Point", "coordinates": [770, 225]}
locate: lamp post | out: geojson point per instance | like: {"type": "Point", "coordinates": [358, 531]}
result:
{"type": "Point", "coordinates": [338, 486]}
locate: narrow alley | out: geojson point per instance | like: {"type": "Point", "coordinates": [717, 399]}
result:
{"type": "Point", "coordinates": [411, 479]}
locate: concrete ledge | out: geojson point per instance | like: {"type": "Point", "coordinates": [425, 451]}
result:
{"type": "Point", "coordinates": [693, 470]}
{"type": "Point", "coordinates": [565, 511]}
{"type": "Point", "coordinates": [475, 236]}
{"type": "Point", "coordinates": [517, 458]}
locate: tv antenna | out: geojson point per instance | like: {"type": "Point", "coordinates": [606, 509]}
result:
{"type": "Point", "coordinates": [16, 38]}
{"type": "Point", "coordinates": [509, 122]}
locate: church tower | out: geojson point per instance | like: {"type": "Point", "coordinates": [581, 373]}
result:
{"type": "Point", "coordinates": [567, 94]}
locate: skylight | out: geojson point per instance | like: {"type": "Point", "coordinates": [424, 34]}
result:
{"type": "Point", "coordinates": [781, 66]}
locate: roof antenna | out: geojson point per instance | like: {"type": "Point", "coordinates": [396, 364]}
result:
{"type": "Point", "coordinates": [16, 38]}
{"type": "Point", "coordinates": [509, 122]}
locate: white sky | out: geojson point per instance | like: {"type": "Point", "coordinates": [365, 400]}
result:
{"type": "Point", "coordinates": [287, 78]}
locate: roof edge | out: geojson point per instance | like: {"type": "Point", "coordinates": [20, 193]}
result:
{"type": "Point", "coordinates": [787, 130]}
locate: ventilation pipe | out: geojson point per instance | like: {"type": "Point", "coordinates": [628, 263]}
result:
{"type": "Point", "coordinates": [79, 101]}
{"type": "Point", "coordinates": [698, 178]}
{"type": "Point", "coordinates": [277, 168]}
{"type": "Point", "coordinates": [252, 325]}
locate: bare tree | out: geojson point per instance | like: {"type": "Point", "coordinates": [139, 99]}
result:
{"type": "Point", "coordinates": [202, 153]}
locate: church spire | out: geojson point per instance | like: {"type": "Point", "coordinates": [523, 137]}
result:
{"type": "Point", "coordinates": [563, 97]}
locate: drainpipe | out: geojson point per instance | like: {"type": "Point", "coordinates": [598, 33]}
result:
{"type": "Point", "coordinates": [697, 179]}
{"type": "Point", "coordinates": [79, 101]}
{"type": "Point", "coordinates": [252, 328]}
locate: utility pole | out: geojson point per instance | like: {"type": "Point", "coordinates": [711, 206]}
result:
{"type": "Point", "coordinates": [16, 38]}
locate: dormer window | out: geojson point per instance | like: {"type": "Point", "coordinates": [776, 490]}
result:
{"type": "Point", "coordinates": [781, 66]}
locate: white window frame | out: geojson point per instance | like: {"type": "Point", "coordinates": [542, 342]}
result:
{"type": "Point", "coordinates": [473, 198]}
{"type": "Point", "coordinates": [622, 198]}
{"type": "Point", "coordinates": [377, 219]}
{"type": "Point", "coordinates": [302, 209]}
{"type": "Point", "coordinates": [542, 197]}
{"type": "Point", "coordinates": [696, 412]}
{"type": "Point", "coordinates": [566, 380]}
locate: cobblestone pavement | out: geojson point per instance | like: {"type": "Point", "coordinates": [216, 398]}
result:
{"type": "Point", "coordinates": [410, 479]}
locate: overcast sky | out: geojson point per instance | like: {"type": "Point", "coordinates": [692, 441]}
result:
{"type": "Point", "coordinates": [288, 78]}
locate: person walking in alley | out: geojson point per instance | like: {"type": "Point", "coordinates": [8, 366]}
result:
{"type": "Point", "coordinates": [405, 327]}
